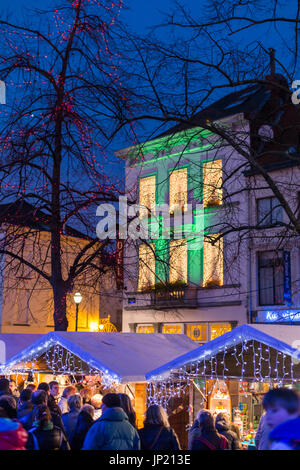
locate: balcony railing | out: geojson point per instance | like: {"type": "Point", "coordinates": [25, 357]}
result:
{"type": "Point", "coordinates": [177, 296]}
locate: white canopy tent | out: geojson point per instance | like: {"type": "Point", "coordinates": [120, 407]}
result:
{"type": "Point", "coordinates": [120, 357]}
{"type": "Point", "coordinates": [13, 343]}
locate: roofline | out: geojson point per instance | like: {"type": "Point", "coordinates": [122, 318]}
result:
{"type": "Point", "coordinates": [231, 338]}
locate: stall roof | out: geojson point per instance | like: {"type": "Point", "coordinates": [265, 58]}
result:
{"type": "Point", "coordinates": [289, 334]}
{"type": "Point", "coordinates": [13, 343]}
{"type": "Point", "coordinates": [213, 347]}
{"type": "Point", "coordinates": [125, 356]}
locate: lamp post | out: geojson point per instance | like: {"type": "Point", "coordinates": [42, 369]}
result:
{"type": "Point", "coordinates": [77, 299]}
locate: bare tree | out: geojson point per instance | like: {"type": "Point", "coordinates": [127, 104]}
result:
{"type": "Point", "coordinates": [65, 103]}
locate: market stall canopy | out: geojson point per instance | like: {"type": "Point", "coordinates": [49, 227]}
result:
{"type": "Point", "coordinates": [289, 334]}
{"type": "Point", "coordinates": [125, 357]}
{"type": "Point", "coordinates": [13, 343]}
{"type": "Point", "coordinates": [244, 352]}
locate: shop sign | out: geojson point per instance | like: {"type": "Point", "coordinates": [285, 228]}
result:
{"type": "Point", "coordinates": [278, 316]}
{"type": "Point", "coordinates": [287, 291]}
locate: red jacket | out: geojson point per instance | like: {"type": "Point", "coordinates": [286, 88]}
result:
{"type": "Point", "coordinates": [12, 435]}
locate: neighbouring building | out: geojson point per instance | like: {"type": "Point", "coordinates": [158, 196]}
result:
{"type": "Point", "coordinates": [26, 299]}
{"type": "Point", "coordinates": [185, 283]}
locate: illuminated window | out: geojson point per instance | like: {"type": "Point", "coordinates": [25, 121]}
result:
{"type": "Point", "coordinates": [147, 195]}
{"type": "Point", "coordinates": [212, 183]}
{"type": "Point", "coordinates": [212, 262]}
{"type": "Point", "coordinates": [146, 266]}
{"type": "Point", "coordinates": [178, 261]}
{"type": "Point", "coordinates": [145, 329]}
{"type": "Point", "coordinates": [174, 329]}
{"type": "Point", "coordinates": [197, 332]}
{"type": "Point", "coordinates": [178, 189]}
{"type": "Point", "coordinates": [219, 329]}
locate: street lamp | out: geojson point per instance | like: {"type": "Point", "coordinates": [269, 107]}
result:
{"type": "Point", "coordinates": [77, 300]}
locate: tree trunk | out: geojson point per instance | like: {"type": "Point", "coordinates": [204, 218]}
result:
{"type": "Point", "coordinates": [60, 306]}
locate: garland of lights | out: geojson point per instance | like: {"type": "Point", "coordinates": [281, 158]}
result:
{"type": "Point", "coordinates": [60, 361]}
{"type": "Point", "coordinates": [161, 389]}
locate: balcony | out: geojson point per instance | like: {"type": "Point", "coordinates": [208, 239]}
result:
{"type": "Point", "coordinates": [174, 297]}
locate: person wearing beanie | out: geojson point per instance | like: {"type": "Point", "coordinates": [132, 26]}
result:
{"type": "Point", "coordinates": [112, 431]}
{"type": "Point", "coordinates": [286, 436]}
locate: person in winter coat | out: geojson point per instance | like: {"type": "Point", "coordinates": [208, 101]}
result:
{"type": "Point", "coordinates": [205, 436]}
{"type": "Point", "coordinates": [126, 405]}
{"type": "Point", "coordinates": [262, 435]}
{"type": "Point", "coordinates": [5, 388]}
{"type": "Point", "coordinates": [44, 435]}
{"type": "Point", "coordinates": [24, 406]}
{"type": "Point", "coordinates": [40, 398]}
{"type": "Point", "coordinates": [70, 419]}
{"type": "Point", "coordinates": [63, 402]}
{"type": "Point", "coordinates": [286, 436]}
{"type": "Point", "coordinates": [112, 431]}
{"type": "Point", "coordinates": [12, 434]}
{"type": "Point", "coordinates": [157, 433]}
{"type": "Point", "coordinates": [84, 423]}
{"type": "Point", "coordinates": [223, 427]}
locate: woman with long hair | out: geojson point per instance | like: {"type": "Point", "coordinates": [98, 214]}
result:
{"type": "Point", "coordinates": [44, 435]}
{"type": "Point", "coordinates": [157, 433]}
{"type": "Point", "coordinates": [205, 436]}
{"type": "Point", "coordinates": [126, 405]}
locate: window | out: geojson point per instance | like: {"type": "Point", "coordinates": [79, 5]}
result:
{"type": "Point", "coordinates": [145, 329]}
{"type": "Point", "coordinates": [178, 189]}
{"type": "Point", "coordinates": [218, 329]}
{"type": "Point", "coordinates": [270, 277]}
{"type": "Point", "coordinates": [212, 262]}
{"type": "Point", "coordinates": [147, 195]}
{"type": "Point", "coordinates": [146, 266]}
{"type": "Point", "coordinates": [178, 261]}
{"type": "Point", "coordinates": [197, 332]}
{"type": "Point", "coordinates": [212, 183]}
{"type": "Point", "coordinates": [269, 211]}
{"type": "Point", "coordinates": [175, 329]}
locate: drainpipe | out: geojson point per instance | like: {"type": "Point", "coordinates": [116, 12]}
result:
{"type": "Point", "coordinates": [249, 256]}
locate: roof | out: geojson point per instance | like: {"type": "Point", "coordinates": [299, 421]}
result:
{"type": "Point", "coordinates": [26, 215]}
{"type": "Point", "coordinates": [248, 100]}
{"type": "Point", "coordinates": [215, 346]}
{"type": "Point", "coordinates": [127, 357]}
{"type": "Point", "coordinates": [13, 343]}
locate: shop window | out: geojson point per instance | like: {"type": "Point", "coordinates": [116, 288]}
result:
{"type": "Point", "coordinates": [178, 189]}
{"type": "Point", "coordinates": [219, 329]}
{"type": "Point", "coordinates": [147, 195]}
{"type": "Point", "coordinates": [269, 211]}
{"type": "Point", "coordinates": [270, 278]}
{"type": "Point", "coordinates": [212, 183]}
{"type": "Point", "coordinates": [145, 329]}
{"type": "Point", "coordinates": [178, 261]}
{"type": "Point", "coordinates": [212, 262]}
{"type": "Point", "coordinates": [197, 332]}
{"type": "Point", "coordinates": [175, 329]}
{"type": "Point", "coordinates": [146, 267]}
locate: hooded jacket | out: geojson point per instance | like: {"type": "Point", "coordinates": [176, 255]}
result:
{"type": "Point", "coordinates": [12, 435]}
{"type": "Point", "coordinates": [112, 431]}
{"type": "Point", "coordinates": [223, 428]}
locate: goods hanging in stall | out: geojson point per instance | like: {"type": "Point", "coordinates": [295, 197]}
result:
{"type": "Point", "coordinates": [230, 373]}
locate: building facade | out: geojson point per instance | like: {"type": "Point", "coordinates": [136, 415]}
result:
{"type": "Point", "coordinates": [219, 251]}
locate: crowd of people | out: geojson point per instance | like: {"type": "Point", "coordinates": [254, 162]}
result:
{"type": "Point", "coordinates": [39, 420]}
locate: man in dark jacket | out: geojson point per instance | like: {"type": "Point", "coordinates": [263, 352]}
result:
{"type": "Point", "coordinates": [112, 431]}
{"type": "Point", "coordinates": [24, 406]}
{"type": "Point", "coordinates": [223, 427]}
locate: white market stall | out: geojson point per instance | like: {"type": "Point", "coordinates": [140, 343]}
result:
{"type": "Point", "coordinates": [116, 360]}
{"type": "Point", "coordinates": [230, 373]}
